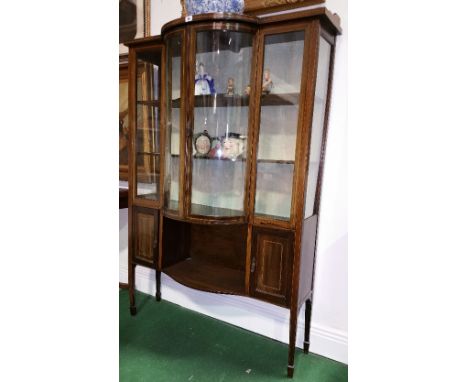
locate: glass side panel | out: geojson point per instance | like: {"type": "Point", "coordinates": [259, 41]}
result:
{"type": "Point", "coordinates": [318, 119]}
{"type": "Point", "coordinates": [147, 149]}
{"type": "Point", "coordinates": [172, 151]}
{"type": "Point", "coordinates": [281, 85]}
{"type": "Point", "coordinates": [221, 116]}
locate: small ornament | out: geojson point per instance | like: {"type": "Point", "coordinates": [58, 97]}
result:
{"type": "Point", "coordinates": [204, 83]}
{"type": "Point", "coordinates": [247, 90]}
{"type": "Point", "coordinates": [267, 84]}
{"type": "Point", "coordinates": [216, 149]}
{"type": "Point", "coordinates": [202, 143]}
{"type": "Point", "coordinates": [184, 9]}
{"type": "Point", "coordinates": [233, 145]}
{"type": "Point", "coordinates": [230, 87]}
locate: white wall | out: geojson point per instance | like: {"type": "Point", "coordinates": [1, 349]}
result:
{"type": "Point", "coordinates": [329, 331]}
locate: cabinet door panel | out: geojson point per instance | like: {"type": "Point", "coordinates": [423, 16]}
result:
{"type": "Point", "coordinates": [271, 265]}
{"type": "Point", "coordinates": [280, 110]}
{"type": "Point", "coordinates": [147, 125]}
{"type": "Point", "coordinates": [145, 241]}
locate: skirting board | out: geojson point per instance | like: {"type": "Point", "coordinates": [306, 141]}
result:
{"type": "Point", "coordinates": [253, 315]}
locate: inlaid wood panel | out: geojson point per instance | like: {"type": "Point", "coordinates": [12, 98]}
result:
{"type": "Point", "coordinates": [145, 243]}
{"type": "Point", "coordinates": [271, 265]}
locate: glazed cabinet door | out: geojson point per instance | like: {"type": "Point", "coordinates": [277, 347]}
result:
{"type": "Point", "coordinates": [145, 236]}
{"type": "Point", "coordinates": [146, 135]}
{"type": "Point", "coordinates": [271, 265]}
{"type": "Point", "coordinates": [282, 85]}
{"type": "Point", "coordinates": [220, 99]}
{"type": "Point", "coordinates": [174, 124]}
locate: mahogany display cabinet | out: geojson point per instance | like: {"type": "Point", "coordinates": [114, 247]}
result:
{"type": "Point", "coordinates": [228, 125]}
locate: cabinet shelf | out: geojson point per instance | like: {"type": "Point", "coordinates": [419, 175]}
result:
{"type": "Point", "coordinates": [147, 153]}
{"type": "Point", "coordinates": [223, 100]}
{"type": "Point", "coordinates": [280, 99]}
{"type": "Point", "coordinates": [154, 103]}
{"type": "Point", "coordinates": [221, 159]}
{"type": "Point", "coordinates": [204, 210]}
{"type": "Point", "coordinates": [152, 196]}
{"type": "Point", "coordinates": [208, 277]}
{"type": "Point", "coordinates": [276, 161]}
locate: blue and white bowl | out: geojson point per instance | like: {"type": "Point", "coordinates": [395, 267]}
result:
{"type": "Point", "coordinates": [196, 7]}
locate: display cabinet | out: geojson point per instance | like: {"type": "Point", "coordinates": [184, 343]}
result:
{"type": "Point", "coordinates": [228, 124]}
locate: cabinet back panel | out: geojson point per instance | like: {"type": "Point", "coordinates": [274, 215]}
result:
{"type": "Point", "coordinates": [222, 245]}
{"type": "Point", "coordinates": [176, 242]}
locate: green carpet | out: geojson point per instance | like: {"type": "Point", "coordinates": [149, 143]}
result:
{"type": "Point", "coordinates": [165, 342]}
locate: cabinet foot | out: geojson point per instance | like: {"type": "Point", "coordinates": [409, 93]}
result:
{"type": "Point", "coordinates": [158, 286]}
{"type": "Point", "coordinates": [133, 310]}
{"type": "Point", "coordinates": [308, 313]}
{"type": "Point", "coordinates": [290, 371]}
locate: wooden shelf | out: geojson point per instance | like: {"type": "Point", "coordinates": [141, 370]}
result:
{"type": "Point", "coordinates": [271, 217]}
{"type": "Point", "coordinates": [277, 161]}
{"type": "Point", "coordinates": [153, 196]}
{"type": "Point", "coordinates": [203, 210]}
{"type": "Point", "coordinates": [223, 100]}
{"type": "Point", "coordinates": [221, 159]}
{"type": "Point", "coordinates": [147, 153]}
{"type": "Point", "coordinates": [154, 103]}
{"type": "Point", "coordinates": [218, 100]}
{"type": "Point", "coordinates": [208, 277]}
{"type": "Point", "coordinates": [280, 99]}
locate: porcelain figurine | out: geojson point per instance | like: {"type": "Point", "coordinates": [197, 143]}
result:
{"type": "Point", "coordinates": [230, 87]}
{"type": "Point", "coordinates": [233, 145]}
{"type": "Point", "coordinates": [247, 90]}
{"type": "Point", "coordinates": [267, 84]}
{"type": "Point", "coordinates": [204, 83]}
{"type": "Point", "coordinates": [216, 148]}
{"type": "Point", "coordinates": [202, 143]}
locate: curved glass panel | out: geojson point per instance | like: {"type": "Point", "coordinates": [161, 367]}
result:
{"type": "Point", "coordinates": [221, 116]}
{"type": "Point", "coordinates": [281, 86]}
{"type": "Point", "coordinates": [147, 146]}
{"type": "Point", "coordinates": [318, 121]}
{"type": "Point", "coordinates": [173, 86]}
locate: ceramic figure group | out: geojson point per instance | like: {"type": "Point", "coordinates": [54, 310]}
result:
{"type": "Point", "coordinates": [196, 7]}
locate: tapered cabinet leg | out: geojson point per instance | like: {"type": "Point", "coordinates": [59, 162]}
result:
{"type": "Point", "coordinates": [292, 342]}
{"type": "Point", "coordinates": [158, 286]}
{"type": "Point", "coordinates": [308, 314]}
{"type": "Point", "coordinates": [131, 289]}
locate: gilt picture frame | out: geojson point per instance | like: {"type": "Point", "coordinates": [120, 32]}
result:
{"type": "Point", "coordinates": [134, 21]}
{"type": "Point", "coordinates": [256, 7]}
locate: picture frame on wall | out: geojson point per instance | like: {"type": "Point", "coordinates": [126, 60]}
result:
{"type": "Point", "coordinates": [134, 21]}
{"type": "Point", "coordinates": [256, 7]}
{"type": "Point", "coordinates": [123, 118]}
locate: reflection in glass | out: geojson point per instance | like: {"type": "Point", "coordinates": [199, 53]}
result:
{"type": "Point", "coordinates": [321, 89]}
{"type": "Point", "coordinates": [221, 116]}
{"type": "Point", "coordinates": [281, 84]}
{"type": "Point", "coordinates": [147, 125]}
{"type": "Point", "coordinates": [173, 86]}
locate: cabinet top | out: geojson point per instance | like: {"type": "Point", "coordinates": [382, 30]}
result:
{"type": "Point", "coordinates": [332, 20]}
